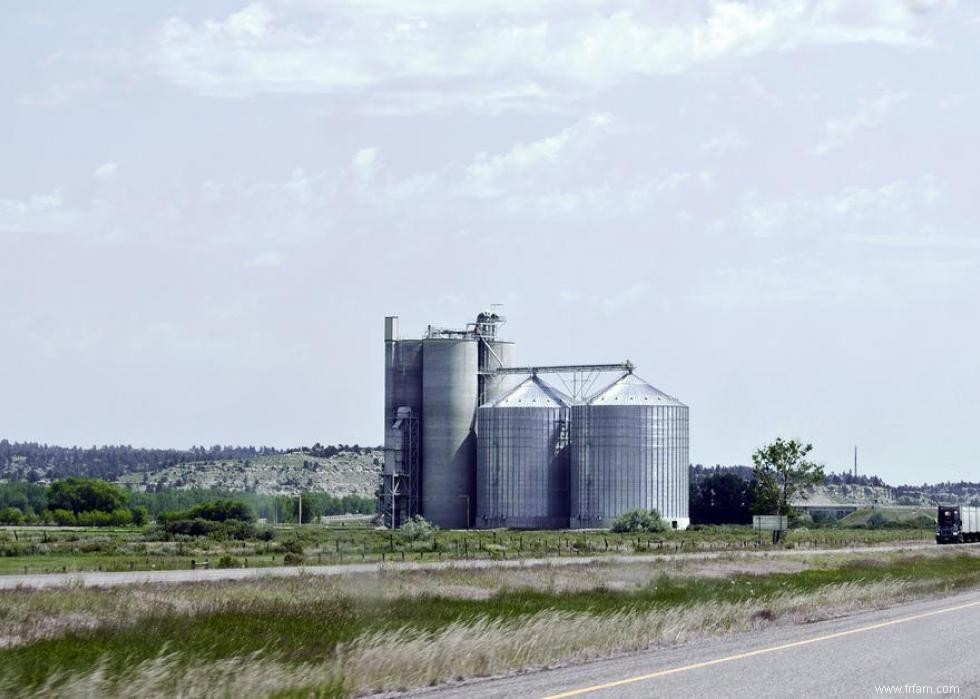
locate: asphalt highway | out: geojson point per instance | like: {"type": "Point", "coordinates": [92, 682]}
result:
{"type": "Point", "coordinates": [922, 648]}
{"type": "Point", "coordinates": [96, 579]}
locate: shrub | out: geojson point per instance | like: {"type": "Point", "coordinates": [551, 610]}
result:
{"type": "Point", "coordinates": [232, 529]}
{"type": "Point", "coordinates": [63, 518]}
{"type": "Point", "coordinates": [241, 531]}
{"type": "Point", "coordinates": [922, 522]}
{"type": "Point", "coordinates": [639, 520]}
{"type": "Point", "coordinates": [418, 529]}
{"type": "Point", "coordinates": [11, 515]}
{"type": "Point", "coordinates": [292, 559]}
{"type": "Point", "coordinates": [227, 561]}
{"type": "Point", "coordinates": [223, 511]}
{"type": "Point", "coordinates": [95, 518]}
{"type": "Point", "coordinates": [292, 546]}
{"type": "Point", "coordinates": [190, 527]}
{"type": "Point", "coordinates": [212, 511]}
{"type": "Point", "coordinates": [98, 544]}
{"type": "Point", "coordinates": [877, 521]}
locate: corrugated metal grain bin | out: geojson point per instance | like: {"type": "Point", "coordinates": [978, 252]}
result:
{"type": "Point", "coordinates": [522, 459]}
{"type": "Point", "coordinates": [629, 446]}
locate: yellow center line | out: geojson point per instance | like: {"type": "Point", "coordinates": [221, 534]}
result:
{"type": "Point", "coordinates": [761, 651]}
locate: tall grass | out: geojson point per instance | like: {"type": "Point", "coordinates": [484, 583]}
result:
{"type": "Point", "coordinates": [311, 636]}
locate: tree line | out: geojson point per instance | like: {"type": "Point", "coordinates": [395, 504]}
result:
{"type": "Point", "coordinates": [88, 501]}
{"type": "Point", "coordinates": [780, 473]}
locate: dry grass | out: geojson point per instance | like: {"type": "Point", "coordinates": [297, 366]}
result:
{"type": "Point", "coordinates": [165, 676]}
{"type": "Point", "coordinates": [29, 615]}
{"type": "Point", "coordinates": [392, 659]}
{"type": "Point", "coordinates": [409, 658]}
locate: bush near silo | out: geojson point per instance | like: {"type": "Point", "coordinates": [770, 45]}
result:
{"type": "Point", "coordinates": [418, 529]}
{"type": "Point", "coordinates": [639, 520]}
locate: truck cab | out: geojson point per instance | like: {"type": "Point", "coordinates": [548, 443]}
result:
{"type": "Point", "coordinates": [949, 525]}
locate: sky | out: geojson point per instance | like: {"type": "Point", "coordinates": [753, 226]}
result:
{"type": "Point", "coordinates": [771, 208]}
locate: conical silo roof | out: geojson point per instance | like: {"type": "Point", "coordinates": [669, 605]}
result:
{"type": "Point", "coordinates": [630, 389]}
{"type": "Point", "coordinates": [533, 393]}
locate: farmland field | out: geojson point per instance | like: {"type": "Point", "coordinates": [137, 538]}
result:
{"type": "Point", "coordinates": [355, 634]}
{"type": "Point", "coordinates": [53, 550]}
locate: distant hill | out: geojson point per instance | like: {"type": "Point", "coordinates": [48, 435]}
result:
{"type": "Point", "coordinates": [354, 470]}
{"type": "Point", "coordinates": [344, 473]}
{"type": "Point", "coordinates": [339, 469]}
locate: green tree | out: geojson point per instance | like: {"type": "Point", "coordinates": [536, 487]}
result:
{"type": "Point", "coordinates": [140, 515]}
{"type": "Point", "coordinates": [29, 498]}
{"type": "Point", "coordinates": [781, 474]}
{"type": "Point", "coordinates": [78, 495]}
{"type": "Point", "coordinates": [11, 515]}
{"type": "Point", "coordinates": [721, 498]}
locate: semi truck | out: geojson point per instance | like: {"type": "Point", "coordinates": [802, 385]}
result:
{"type": "Point", "coordinates": [957, 524]}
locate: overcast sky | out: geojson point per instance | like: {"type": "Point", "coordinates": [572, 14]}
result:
{"type": "Point", "coordinates": [772, 208]}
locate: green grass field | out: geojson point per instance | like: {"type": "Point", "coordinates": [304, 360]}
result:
{"type": "Point", "coordinates": [890, 516]}
{"type": "Point", "coordinates": [312, 636]}
{"type": "Point", "coordinates": [53, 550]}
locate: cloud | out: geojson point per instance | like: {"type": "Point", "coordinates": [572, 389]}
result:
{"type": "Point", "coordinates": [556, 176]}
{"type": "Point", "coordinates": [583, 199]}
{"type": "Point", "coordinates": [723, 143]}
{"type": "Point", "coordinates": [106, 170]}
{"type": "Point", "coordinates": [365, 163]}
{"type": "Point", "coordinates": [38, 213]}
{"type": "Point", "coordinates": [488, 174]}
{"type": "Point", "coordinates": [897, 202]}
{"type": "Point", "coordinates": [273, 211]}
{"type": "Point", "coordinates": [59, 93]}
{"type": "Point", "coordinates": [626, 297]}
{"type": "Point", "coordinates": [925, 238]}
{"type": "Point", "coordinates": [840, 131]}
{"type": "Point", "coordinates": [836, 280]}
{"type": "Point", "coordinates": [521, 55]}
{"type": "Point", "coordinates": [790, 281]}
{"type": "Point", "coordinates": [269, 258]}
{"type": "Point", "coordinates": [847, 246]}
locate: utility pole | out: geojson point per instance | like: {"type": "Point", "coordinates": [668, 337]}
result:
{"type": "Point", "coordinates": [855, 461]}
{"type": "Point", "coordinates": [300, 522]}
